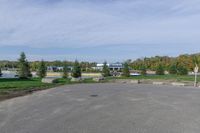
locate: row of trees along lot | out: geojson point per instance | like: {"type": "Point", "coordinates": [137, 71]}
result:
{"type": "Point", "coordinates": [13, 65]}
{"type": "Point", "coordinates": [26, 81]}
{"type": "Point", "coordinates": [85, 66]}
{"type": "Point", "coordinates": [150, 63]}
{"type": "Point", "coordinates": [24, 69]}
{"type": "Point", "coordinates": [174, 65]}
{"type": "Point", "coordinates": [180, 65]}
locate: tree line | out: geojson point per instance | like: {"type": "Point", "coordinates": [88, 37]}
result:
{"type": "Point", "coordinates": [34, 65]}
{"type": "Point", "coordinates": [174, 65]}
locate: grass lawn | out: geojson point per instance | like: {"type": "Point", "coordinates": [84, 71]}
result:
{"type": "Point", "coordinates": [34, 83]}
{"type": "Point", "coordinates": [160, 77]}
{"type": "Point", "coordinates": [23, 84]}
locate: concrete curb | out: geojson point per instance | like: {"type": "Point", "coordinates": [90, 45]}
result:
{"type": "Point", "coordinates": [135, 81]}
{"type": "Point", "coordinates": [49, 80]}
{"type": "Point", "coordinates": [158, 83]}
{"type": "Point", "coordinates": [132, 81]}
{"type": "Point", "coordinates": [178, 84]}
{"type": "Point", "coordinates": [124, 81]}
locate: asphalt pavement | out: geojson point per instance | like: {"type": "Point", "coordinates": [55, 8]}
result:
{"type": "Point", "coordinates": [104, 108]}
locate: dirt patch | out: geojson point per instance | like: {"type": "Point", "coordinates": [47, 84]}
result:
{"type": "Point", "coordinates": [12, 94]}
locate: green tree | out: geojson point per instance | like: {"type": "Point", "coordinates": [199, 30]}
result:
{"type": "Point", "coordinates": [76, 72]}
{"type": "Point", "coordinates": [65, 71]}
{"type": "Point", "coordinates": [42, 70]}
{"type": "Point", "coordinates": [24, 67]}
{"type": "Point", "coordinates": [143, 70]}
{"type": "Point", "coordinates": [0, 72]}
{"type": "Point", "coordinates": [126, 72]}
{"type": "Point", "coordinates": [181, 70]}
{"type": "Point", "coordinates": [105, 71]}
{"type": "Point", "coordinates": [160, 70]}
{"type": "Point", "coordinates": [34, 65]}
{"type": "Point", "coordinates": [173, 69]}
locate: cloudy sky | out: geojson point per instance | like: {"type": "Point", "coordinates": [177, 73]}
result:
{"type": "Point", "coordinates": [98, 30]}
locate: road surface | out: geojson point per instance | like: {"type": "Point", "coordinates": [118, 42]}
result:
{"type": "Point", "coordinates": [104, 108]}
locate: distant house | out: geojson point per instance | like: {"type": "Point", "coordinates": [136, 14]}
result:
{"type": "Point", "coordinates": [116, 66]}
{"type": "Point", "coordinates": [53, 68]}
{"type": "Point", "coordinates": [57, 68]}
{"type": "Point", "coordinates": [99, 67]}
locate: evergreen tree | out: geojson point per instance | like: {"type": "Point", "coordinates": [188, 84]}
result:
{"type": "Point", "coordinates": [126, 71]}
{"type": "Point", "coordinates": [173, 69]}
{"type": "Point", "coordinates": [24, 68]}
{"type": "Point", "coordinates": [0, 72]}
{"type": "Point", "coordinates": [65, 71]}
{"type": "Point", "coordinates": [105, 71]}
{"type": "Point", "coordinates": [28, 72]}
{"type": "Point", "coordinates": [76, 72]}
{"type": "Point", "coordinates": [42, 69]}
{"type": "Point", "coordinates": [143, 70]}
{"type": "Point", "coordinates": [160, 70]}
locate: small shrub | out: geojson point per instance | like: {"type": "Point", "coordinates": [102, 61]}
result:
{"type": "Point", "coordinates": [56, 81]}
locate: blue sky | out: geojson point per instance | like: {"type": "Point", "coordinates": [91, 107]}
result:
{"type": "Point", "coordinates": [98, 30]}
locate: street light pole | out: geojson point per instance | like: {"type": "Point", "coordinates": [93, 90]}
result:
{"type": "Point", "coordinates": [196, 69]}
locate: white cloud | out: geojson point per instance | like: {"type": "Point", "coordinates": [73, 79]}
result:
{"type": "Point", "coordinates": [67, 23]}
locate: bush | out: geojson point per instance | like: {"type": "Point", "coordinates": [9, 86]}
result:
{"type": "Point", "coordinates": [160, 70]}
{"type": "Point", "coordinates": [56, 81]}
{"type": "Point", "coordinates": [76, 72]}
{"type": "Point", "coordinates": [143, 70]}
{"type": "Point", "coordinates": [182, 70]}
{"type": "Point", "coordinates": [126, 71]}
{"type": "Point", "coordinates": [173, 69]}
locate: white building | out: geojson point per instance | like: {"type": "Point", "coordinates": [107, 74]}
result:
{"type": "Point", "coordinates": [113, 66]}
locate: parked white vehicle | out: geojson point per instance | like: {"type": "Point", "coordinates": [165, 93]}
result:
{"type": "Point", "coordinates": [135, 74]}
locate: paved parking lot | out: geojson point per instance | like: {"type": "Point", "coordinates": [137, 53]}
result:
{"type": "Point", "coordinates": [104, 108]}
